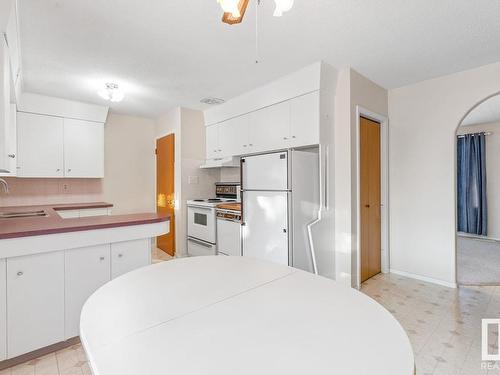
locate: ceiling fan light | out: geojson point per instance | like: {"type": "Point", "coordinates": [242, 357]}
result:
{"type": "Point", "coordinates": [230, 6]}
{"type": "Point", "coordinates": [282, 6]}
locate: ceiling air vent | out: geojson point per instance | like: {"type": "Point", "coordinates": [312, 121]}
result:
{"type": "Point", "coordinates": [212, 101]}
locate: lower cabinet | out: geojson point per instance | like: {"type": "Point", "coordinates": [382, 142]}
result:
{"type": "Point", "coordinates": [127, 256]}
{"type": "Point", "coordinates": [3, 309]}
{"type": "Point", "coordinates": [86, 270]}
{"type": "Point", "coordinates": [42, 295]}
{"type": "Point", "coordinates": [35, 302]}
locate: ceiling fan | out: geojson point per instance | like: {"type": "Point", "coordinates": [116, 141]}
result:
{"type": "Point", "coordinates": [234, 10]}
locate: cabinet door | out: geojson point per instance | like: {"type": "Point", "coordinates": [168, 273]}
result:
{"type": "Point", "coordinates": [233, 136]}
{"type": "Point", "coordinates": [39, 145]}
{"type": "Point", "coordinates": [269, 128]}
{"type": "Point", "coordinates": [86, 270]}
{"type": "Point", "coordinates": [4, 106]}
{"type": "Point", "coordinates": [83, 149]}
{"type": "Point", "coordinates": [35, 302]}
{"type": "Point", "coordinates": [305, 120]}
{"type": "Point", "coordinates": [212, 141]}
{"type": "Point", "coordinates": [130, 255]}
{"type": "Point", "coordinates": [3, 309]}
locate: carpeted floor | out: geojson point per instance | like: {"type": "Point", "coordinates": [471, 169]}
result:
{"type": "Point", "coordinates": [478, 261]}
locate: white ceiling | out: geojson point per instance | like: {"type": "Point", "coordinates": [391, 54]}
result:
{"type": "Point", "coordinates": [174, 52]}
{"type": "Point", "coordinates": [486, 112]}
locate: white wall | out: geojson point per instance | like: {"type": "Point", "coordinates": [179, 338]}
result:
{"type": "Point", "coordinates": [492, 172]}
{"type": "Point", "coordinates": [353, 90]}
{"type": "Point", "coordinates": [423, 120]}
{"type": "Point", "coordinates": [129, 181]}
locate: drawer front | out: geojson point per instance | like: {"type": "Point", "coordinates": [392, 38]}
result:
{"type": "Point", "coordinates": [199, 248]}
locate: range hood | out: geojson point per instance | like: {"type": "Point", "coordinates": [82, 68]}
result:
{"type": "Point", "coordinates": [229, 162]}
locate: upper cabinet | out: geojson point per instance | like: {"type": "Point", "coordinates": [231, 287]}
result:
{"type": "Point", "coordinates": [83, 149]}
{"type": "Point", "coordinates": [40, 145]}
{"type": "Point", "coordinates": [289, 124]}
{"type": "Point", "coordinates": [305, 120]}
{"type": "Point", "coordinates": [50, 146]}
{"type": "Point", "coordinates": [5, 139]}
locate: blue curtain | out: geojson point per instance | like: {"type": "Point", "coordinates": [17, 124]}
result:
{"type": "Point", "coordinates": [472, 202]}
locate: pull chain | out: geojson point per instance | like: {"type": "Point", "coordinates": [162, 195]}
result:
{"type": "Point", "coordinates": [257, 3]}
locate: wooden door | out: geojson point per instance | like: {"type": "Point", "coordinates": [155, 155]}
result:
{"type": "Point", "coordinates": [370, 189]}
{"type": "Point", "coordinates": [165, 193]}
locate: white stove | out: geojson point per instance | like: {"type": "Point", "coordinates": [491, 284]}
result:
{"type": "Point", "coordinates": [202, 221]}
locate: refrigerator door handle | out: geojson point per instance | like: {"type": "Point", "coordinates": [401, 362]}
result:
{"type": "Point", "coordinates": [311, 242]}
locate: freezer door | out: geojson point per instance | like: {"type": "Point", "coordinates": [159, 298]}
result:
{"type": "Point", "coordinates": [265, 230]}
{"type": "Point", "coordinates": [265, 172]}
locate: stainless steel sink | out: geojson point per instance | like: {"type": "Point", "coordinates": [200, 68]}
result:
{"type": "Point", "coordinates": [22, 214]}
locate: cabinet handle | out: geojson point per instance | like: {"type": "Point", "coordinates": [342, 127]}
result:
{"type": "Point", "coordinates": [12, 156]}
{"type": "Point", "coordinates": [294, 137]}
{"type": "Point", "coordinates": [58, 170]}
{"type": "Point", "coordinates": [20, 273]}
{"type": "Point", "coordinates": [69, 169]}
{"type": "Point", "coordinates": [220, 150]}
{"type": "Point", "coordinates": [285, 138]}
{"type": "Point", "coordinates": [251, 144]}
{"type": "Point", "coordinates": [120, 255]}
{"type": "Point", "coordinates": [244, 145]}
{"type": "Point", "coordinates": [102, 258]}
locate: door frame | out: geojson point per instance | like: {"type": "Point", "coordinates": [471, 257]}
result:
{"type": "Point", "coordinates": [384, 198]}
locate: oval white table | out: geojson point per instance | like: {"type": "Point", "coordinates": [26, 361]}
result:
{"type": "Point", "coordinates": [228, 316]}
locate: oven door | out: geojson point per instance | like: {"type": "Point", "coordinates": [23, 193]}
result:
{"type": "Point", "coordinates": [201, 223]}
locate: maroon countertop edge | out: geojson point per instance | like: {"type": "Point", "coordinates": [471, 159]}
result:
{"type": "Point", "coordinates": [53, 223]}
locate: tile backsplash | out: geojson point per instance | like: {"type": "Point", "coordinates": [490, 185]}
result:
{"type": "Point", "coordinates": [35, 191]}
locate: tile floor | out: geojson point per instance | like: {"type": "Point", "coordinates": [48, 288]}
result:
{"type": "Point", "coordinates": [443, 325]}
{"type": "Point", "coordinates": [158, 256]}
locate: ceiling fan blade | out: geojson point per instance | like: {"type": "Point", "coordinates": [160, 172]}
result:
{"type": "Point", "coordinates": [228, 17]}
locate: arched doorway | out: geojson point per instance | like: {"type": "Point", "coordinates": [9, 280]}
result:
{"type": "Point", "coordinates": [477, 198]}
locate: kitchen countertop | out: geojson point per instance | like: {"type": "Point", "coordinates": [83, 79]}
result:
{"type": "Point", "coordinates": [236, 315]}
{"type": "Point", "coordinates": [53, 223]}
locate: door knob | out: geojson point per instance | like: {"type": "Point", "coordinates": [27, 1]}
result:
{"type": "Point", "coordinates": [367, 205]}
{"type": "Point", "coordinates": [12, 156]}
{"type": "Point", "coordinates": [20, 273]}
{"type": "Point", "coordinates": [120, 255]}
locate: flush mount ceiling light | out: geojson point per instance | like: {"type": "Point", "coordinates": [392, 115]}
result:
{"type": "Point", "coordinates": [212, 101]}
{"type": "Point", "coordinates": [234, 10]}
{"type": "Point", "coordinates": [111, 92]}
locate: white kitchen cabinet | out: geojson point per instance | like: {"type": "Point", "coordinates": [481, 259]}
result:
{"type": "Point", "coordinates": [40, 149]}
{"type": "Point", "coordinates": [212, 141]}
{"type": "Point", "coordinates": [269, 128]}
{"type": "Point", "coordinates": [86, 270]}
{"type": "Point", "coordinates": [83, 149]}
{"type": "Point", "coordinates": [3, 309]}
{"type": "Point", "coordinates": [11, 35]}
{"type": "Point", "coordinates": [130, 255]}
{"type": "Point", "coordinates": [233, 137]}
{"type": "Point", "coordinates": [305, 120]}
{"type": "Point", "coordinates": [4, 106]}
{"type": "Point", "coordinates": [35, 302]}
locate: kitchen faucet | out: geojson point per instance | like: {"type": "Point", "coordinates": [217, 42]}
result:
{"type": "Point", "coordinates": [5, 185]}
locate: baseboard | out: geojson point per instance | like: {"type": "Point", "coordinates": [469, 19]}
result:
{"type": "Point", "coordinates": [38, 353]}
{"type": "Point", "coordinates": [424, 278]}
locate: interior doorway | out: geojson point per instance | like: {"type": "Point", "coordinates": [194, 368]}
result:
{"type": "Point", "coordinates": [370, 198]}
{"type": "Point", "coordinates": [165, 189]}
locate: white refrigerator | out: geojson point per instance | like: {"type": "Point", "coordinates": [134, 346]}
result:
{"type": "Point", "coordinates": [280, 198]}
